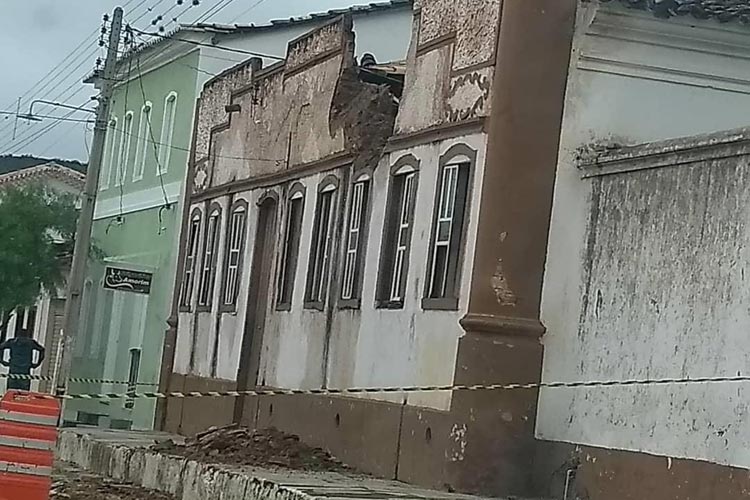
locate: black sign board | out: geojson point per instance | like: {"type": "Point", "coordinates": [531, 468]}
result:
{"type": "Point", "coordinates": [125, 280]}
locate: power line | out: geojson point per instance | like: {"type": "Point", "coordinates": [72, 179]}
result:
{"type": "Point", "coordinates": [217, 47]}
{"type": "Point", "coordinates": [147, 11]}
{"type": "Point", "coordinates": [68, 69]}
{"type": "Point", "coordinates": [159, 170]}
{"type": "Point", "coordinates": [35, 136]}
{"type": "Point", "coordinates": [256, 4]}
{"type": "Point", "coordinates": [210, 12]}
{"type": "Point", "coordinates": [178, 148]}
{"type": "Point", "coordinates": [59, 97]}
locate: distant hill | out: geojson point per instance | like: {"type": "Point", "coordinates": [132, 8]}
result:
{"type": "Point", "coordinates": [10, 163]}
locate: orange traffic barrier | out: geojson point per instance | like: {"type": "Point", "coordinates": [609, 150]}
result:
{"type": "Point", "coordinates": [28, 432]}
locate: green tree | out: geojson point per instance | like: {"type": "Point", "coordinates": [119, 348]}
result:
{"type": "Point", "coordinates": [37, 230]}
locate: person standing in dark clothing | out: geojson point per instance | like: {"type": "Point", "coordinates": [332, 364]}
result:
{"type": "Point", "coordinates": [21, 360]}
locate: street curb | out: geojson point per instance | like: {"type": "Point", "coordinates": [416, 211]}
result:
{"type": "Point", "coordinates": [182, 478]}
{"type": "Point", "coordinates": [126, 457]}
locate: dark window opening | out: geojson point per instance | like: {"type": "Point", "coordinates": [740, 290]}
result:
{"type": "Point", "coordinates": [210, 249]}
{"type": "Point", "coordinates": [320, 251]}
{"type": "Point", "coordinates": [290, 251]}
{"type": "Point", "coordinates": [399, 225]}
{"type": "Point", "coordinates": [188, 274]}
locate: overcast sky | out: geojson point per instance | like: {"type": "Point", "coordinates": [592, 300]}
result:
{"type": "Point", "coordinates": [38, 35]}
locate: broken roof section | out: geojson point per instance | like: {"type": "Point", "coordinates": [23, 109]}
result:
{"type": "Point", "coordinates": [721, 10]}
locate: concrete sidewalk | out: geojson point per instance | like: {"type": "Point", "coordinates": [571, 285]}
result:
{"type": "Point", "coordinates": [125, 456]}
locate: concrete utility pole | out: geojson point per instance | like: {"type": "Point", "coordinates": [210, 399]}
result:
{"type": "Point", "coordinates": [86, 217]}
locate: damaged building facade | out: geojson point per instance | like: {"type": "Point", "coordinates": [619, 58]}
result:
{"type": "Point", "coordinates": [647, 262]}
{"type": "Point", "coordinates": [333, 238]}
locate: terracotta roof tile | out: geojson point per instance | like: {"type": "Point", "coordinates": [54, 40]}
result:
{"type": "Point", "coordinates": [47, 171]}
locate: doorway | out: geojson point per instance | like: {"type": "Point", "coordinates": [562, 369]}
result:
{"type": "Point", "coordinates": [257, 302]}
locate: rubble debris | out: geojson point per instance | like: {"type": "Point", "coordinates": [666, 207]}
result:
{"type": "Point", "coordinates": [268, 448]}
{"type": "Point", "coordinates": [71, 483]}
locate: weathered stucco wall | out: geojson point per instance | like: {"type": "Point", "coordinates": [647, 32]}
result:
{"type": "Point", "coordinates": [366, 347]}
{"type": "Point", "coordinates": [274, 129]}
{"type": "Point", "coordinates": [645, 269]}
{"type": "Point", "coordinates": [451, 62]}
{"type": "Point", "coordinates": [370, 346]}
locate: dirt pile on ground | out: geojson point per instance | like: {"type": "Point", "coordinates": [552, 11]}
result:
{"type": "Point", "coordinates": [267, 448]}
{"type": "Point", "coordinates": [73, 484]}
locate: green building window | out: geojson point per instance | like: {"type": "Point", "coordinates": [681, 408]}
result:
{"type": "Point", "coordinates": [167, 133]}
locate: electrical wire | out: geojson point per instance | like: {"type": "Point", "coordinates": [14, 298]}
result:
{"type": "Point", "coordinates": [69, 66]}
{"type": "Point", "coordinates": [147, 11]}
{"type": "Point", "coordinates": [159, 168]}
{"type": "Point", "coordinates": [210, 12]}
{"type": "Point", "coordinates": [125, 143]}
{"type": "Point", "coordinates": [278, 161]}
{"type": "Point", "coordinates": [86, 145]}
{"type": "Point", "coordinates": [217, 47]}
{"type": "Point", "coordinates": [74, 120]}
{"type": "Point", "coordinates": [256, 4]}
{"type": "Point", "coordinates": [34, 137]}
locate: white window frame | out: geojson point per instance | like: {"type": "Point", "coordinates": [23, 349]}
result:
{"type": "Point", "coordinates": [354, 233]}
{"type": "Point", "coordinates": [167, 133]}
{"type": "Point", "coordinates": [193, 244]}
{"type": "Point", "coordinates": [144, 140]}
{"type": "Point", "coordinates": [446, 210]}
{"type": "Point", "coordinates": [109, 154]}
{"type": "Point", "coordinates": [405, 227]}
{"type": "Point", "coordinates": [320, 251]}
{"type": "Point", "coordinates": [210, 247]}
{"type": "Point", "coordinates": [288, 265]}
{"type": "Point", "coordinates": [123, 156]}
{"type": "Point", "coordinates": [235, 246]}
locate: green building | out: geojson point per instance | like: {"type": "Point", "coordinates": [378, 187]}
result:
{"type": "Point", "coordinates": [127, 295]}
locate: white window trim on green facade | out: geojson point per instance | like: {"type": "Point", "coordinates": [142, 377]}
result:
{"type": "Point", "coordinates": [126, 141]}
{"type": "Point", "coordinates": [167, 133]}
{"type": "Point", "coordinates": [142, 199]}
{"type": "Point", "coordinates": [109, 150]}
{"type": "Point", "coordinates": [144, 140]}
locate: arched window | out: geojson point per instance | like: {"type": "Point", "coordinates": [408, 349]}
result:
{"type": "Point", "coordinates": [210, 251]}
{"type": "Point", "coordinates": [110, 154]}
{"type": "Point", "coordinates": [356, 241]}
{"type": "Point", "coordinates": [399, 225]}
{"type": "Point", "coordinates": [319, 264]}
{"type": "Point", "coordinates": [145, 148]}
{"type": "Point", "coordinates": [235, 248]}
{"type": "Point", "coordinates": [126, 141]}
{"type": "Point", "coordinates": [191, 254]}
{"type": "Point", "coordinates": [295, 211]}
{"type": "Point", "coordinates": [167, 133]}
{"type": "Point", "coordinates": [448, 228]}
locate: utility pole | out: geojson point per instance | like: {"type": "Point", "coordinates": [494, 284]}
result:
{"type": "Point", "coordinates": [86, 217]}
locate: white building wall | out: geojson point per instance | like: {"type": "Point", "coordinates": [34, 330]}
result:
{"type": "Point", "coordinates": [633, 79]}
{"type": "Point", "coordinates": [367, 347]}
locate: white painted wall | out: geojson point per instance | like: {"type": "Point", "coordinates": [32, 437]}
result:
{"type": "Point", "coordinates": [371, 347]}
{"type": "Point", "coordinates": [633, 79]}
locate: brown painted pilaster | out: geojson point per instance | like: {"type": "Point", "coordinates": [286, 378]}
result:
{"type": "Point", "coordinates": [502, 343]}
